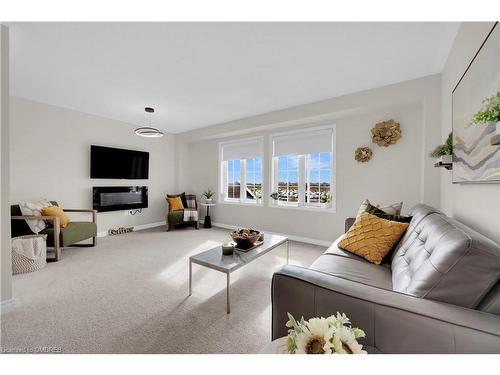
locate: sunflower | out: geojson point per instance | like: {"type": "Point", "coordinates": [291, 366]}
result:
{"type": "Point", "coordinates": [344, 342]}
{"type": "Point", "coordinates": [315, 337]}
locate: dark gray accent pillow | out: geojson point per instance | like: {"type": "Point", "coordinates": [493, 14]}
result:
{"type": "Point", "coordinates": [379, 213]}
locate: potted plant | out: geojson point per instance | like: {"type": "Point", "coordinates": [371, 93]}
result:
{"type": "Point", "coordinates": [490, 113]}
{"type": "Point", "coordinates": [444, 151]}
{"type": "Point", "coordinates": [325, 198]}
{"type": "Point", "coordinates": [274, 196]}
{"type": "Point", "coordinates": [208, 194]}
{"type": "Point", "coordinates": [258, 196]}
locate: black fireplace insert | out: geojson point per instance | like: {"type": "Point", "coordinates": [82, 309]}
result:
{"type": "Point", "coordinates": [116, 198]}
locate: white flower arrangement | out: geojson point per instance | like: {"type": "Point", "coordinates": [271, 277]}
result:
{"type": "Point", "coordinates": [332, 335]}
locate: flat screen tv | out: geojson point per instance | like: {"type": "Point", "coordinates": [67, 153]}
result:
{"type": "Point", "coordinates": [108, 162]}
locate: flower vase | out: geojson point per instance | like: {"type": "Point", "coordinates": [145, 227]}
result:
{"type": "Point", "coordinates": [208, 200]}
{"type": "Point", "coordinates": [446, 159]}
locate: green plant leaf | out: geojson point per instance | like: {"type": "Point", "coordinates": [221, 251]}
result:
{"type": "Point", "coordinates": [358, 333]}
{"type": "Point", "coordinates": [445, 149]}
{"type": "Point", "coordinates": [489, 113]}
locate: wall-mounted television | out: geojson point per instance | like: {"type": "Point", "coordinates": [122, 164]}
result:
{"type": "Point", "coordinates": [108, 162]}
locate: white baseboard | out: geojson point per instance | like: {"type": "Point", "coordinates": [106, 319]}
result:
{"type": "Point", "coordinates": [136, 227]}
{"type": "Point", "coordinates": [313, 241]}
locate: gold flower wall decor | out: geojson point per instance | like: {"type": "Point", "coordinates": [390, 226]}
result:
{"type": "Point", "coordinates": [386, 133]}
{"type": "Point", "coordinates": [363, 154]}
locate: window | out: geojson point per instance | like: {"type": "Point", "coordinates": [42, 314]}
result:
{"type": "Point", "coordinates": [253, 169]}
{"type": "Point", "coordinates": [318, 178]}
{"type": "Point", "coordinates": [288, 182]}
{"type": "Point", "coordinates": [241, 171]}
{"type": "Point", "coordinates": [233, 179]}
{"type": "Point", "coordinates": [303, 169]}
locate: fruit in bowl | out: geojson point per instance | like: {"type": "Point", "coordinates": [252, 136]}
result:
{"type": "Point", "coordinates": [245, 238]}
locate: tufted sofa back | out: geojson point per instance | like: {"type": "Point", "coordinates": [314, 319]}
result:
{"type": "Point", "coordinates": [442, 259]}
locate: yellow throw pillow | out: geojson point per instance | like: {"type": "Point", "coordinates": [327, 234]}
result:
{"type": "Point", "coordinates": [372, 237]}
{"type": "Point", "coordinates": [56, 211]}
{"type": "Point", "coordinates": [175, 204]}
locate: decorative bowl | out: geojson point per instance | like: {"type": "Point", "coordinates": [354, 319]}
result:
{"type": "Point", "coordinates": [245, 238]}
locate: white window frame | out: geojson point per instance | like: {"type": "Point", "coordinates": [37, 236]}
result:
{"type": "Point", "coordinates": [222, 188]}
{"type": "Point", "coordinates": [273, 174]}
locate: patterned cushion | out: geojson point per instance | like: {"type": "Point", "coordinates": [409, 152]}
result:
{"type": "Point", "coordinates": [190, 212]}
{"type": "Point", "coordinates": [372, 237]}
{"type": "Point", "coordinates": [34, 209]}
{"type": "Point", "coordinates": [392, 209]}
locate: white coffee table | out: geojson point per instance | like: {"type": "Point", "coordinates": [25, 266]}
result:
{"type": "Point", "coordinates": [227, 264]}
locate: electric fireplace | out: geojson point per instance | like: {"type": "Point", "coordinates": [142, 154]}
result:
{"type": "Point", "coordinates": [116, 198]}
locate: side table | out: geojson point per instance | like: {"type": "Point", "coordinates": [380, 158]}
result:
{"type": "Point", "coordinates": [207, 223]}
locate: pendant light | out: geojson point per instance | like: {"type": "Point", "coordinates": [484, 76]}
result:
{"type": "Point", "coordinates": [148, 131]}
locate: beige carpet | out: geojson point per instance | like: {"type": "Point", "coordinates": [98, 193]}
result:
{"type": "Point", "coordinates": [129, 295]}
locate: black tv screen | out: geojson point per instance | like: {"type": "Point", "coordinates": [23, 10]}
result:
{"type": "Point", "coordinates": [108, 162]}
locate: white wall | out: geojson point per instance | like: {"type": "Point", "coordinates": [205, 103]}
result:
{"type": "Point", "coordinates": [5, 259]}
{"type": "Point", "coordinates": [477, 205]}
{"type": "Point", "coordinates": [402, 172]}
{"type": "Point", "coordinates": [50, 158]}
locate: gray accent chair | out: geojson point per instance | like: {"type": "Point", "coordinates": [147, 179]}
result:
{"type": "Point", "coordinates": [440, 292]}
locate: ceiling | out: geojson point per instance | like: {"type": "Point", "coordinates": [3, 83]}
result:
{"type": "Point", "coordinates": [200, 74]}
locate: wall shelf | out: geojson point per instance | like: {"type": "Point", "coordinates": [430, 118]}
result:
{"type": "Point", "coordinates": [447, 166]}
{"type": "Point", "coordinates": [495, 140]}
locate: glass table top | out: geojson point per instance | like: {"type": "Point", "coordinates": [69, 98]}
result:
{"type": "Point", "coordinates": [214, 259]}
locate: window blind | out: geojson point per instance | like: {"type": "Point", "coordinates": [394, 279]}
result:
{"type": "Point", "coordinates": [241, 150]}
{"type": "Point", "coordinates": [301, 143]}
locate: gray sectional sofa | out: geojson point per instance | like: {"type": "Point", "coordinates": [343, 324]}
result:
{"type": "Point", "coordinates": [439, 293]}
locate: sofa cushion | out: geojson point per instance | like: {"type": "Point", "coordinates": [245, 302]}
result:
{"type": "Point", "coordinates": [442, 259]}
{"type": "Point", "coordinates": [372, 237]}
{"type": "Point", "coordinates": [417, 213]}
{"type": "Point", "coordinates": [354, 269]}
{"type": "Point", "coordinates": [335, 250]}
{"type": "Point", "coordinates": [379, 213]}
{"type": "Point", "coordinates": [74, 232]}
